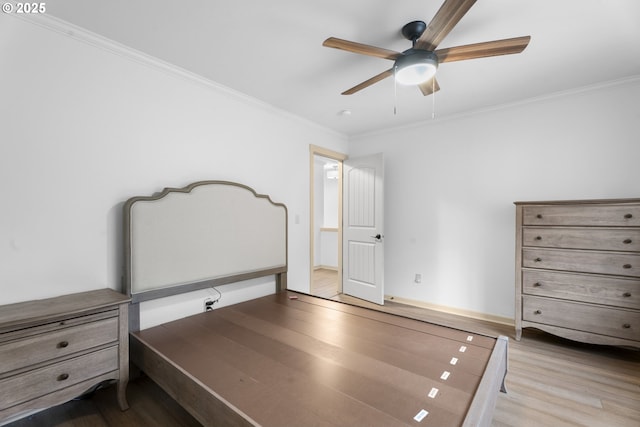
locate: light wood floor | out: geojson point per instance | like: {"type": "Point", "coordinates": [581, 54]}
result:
{"type": "Point", "coordinates": [551, 383]}
{"type": "Point", "coordinates": [149, 407]}
{"type": "Point", "coordinates": [324, 283]}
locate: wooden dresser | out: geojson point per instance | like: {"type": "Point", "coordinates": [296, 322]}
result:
{"type": "Point", "coordinates": [53, 350]}
{"type": "Point", "coordinates": [578, 269]}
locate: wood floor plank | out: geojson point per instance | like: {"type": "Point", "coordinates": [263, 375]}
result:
{"type": "Point", "coordinates": [557, 390]}
{"type": "Point", "coordinates": [559, 380]}
{"type": "Point", "coordinates": [593, 379]}
{"type": "Point", "coordinates": [324, 282]}
{"type": "Point", "coordinates": [630, 412]}
{"type": "Point", "coordinates": [513, 411]}
{"type": "Point", "coordinates": [149, 406]}
{"type": "Point", "coordinates": [72, 414]}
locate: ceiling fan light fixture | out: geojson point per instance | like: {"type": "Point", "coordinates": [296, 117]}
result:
{"type": "Point", "coordinates": [415, 66]}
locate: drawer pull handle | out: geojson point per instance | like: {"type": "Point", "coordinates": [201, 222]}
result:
{"type": "Point", "coordinates": [628, 216]}
{"type": "Point", "coordinates": [537, 312]}
{"type": "Point", "coordinates": [62, 377]}
{"type": "Point", "coordinates": [626, 294]}
{"type": "Point", "coordinates": [537, 285]}
{"type": "Point", "coordinates": [63, 344]}
{"type": "Point", "coordinates": [626, 326]}
{"type": "Point", "coordinates": [538, 237]}
{"type": "Point", "coordinates": [626, 241]}
{"type": "Point", "coordinates": [538, 259]}
{"type": "Point", "coordinates": [626, 266]}
{"type": "Point", "coordinates": [539, 216]}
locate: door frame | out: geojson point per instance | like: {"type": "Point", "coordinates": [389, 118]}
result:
{"type": "Point", "coordinates": [339, 157]}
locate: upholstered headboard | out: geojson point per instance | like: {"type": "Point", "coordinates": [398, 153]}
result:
{"type": "Point", "coordinates": [206, 234]}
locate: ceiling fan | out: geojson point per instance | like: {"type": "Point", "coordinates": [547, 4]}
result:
{"type": "Point", "coordinates": [418, 64]}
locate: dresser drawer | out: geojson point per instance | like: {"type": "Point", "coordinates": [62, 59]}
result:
{"type": "Point", "coordinates": [30, 385]}
{"type": "Point", "coordinates": [39, 348]}
{"type": "Point", "coordinates": [582, 287]}
{"type": "Point", "coordinates": [582, 317]}
{"type": "Point", "coordinates": [609, 239]}
{"type": "Point", "coordinates": [615, 263]}
{"type": "Point", "coordinates": [581, 215]}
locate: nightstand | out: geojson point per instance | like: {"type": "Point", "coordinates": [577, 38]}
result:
{"type": "Point", "coordinates": [53, 350]}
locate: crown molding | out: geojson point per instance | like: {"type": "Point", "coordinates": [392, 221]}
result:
{"type": "Point", "coordinates": [505, 106]}
{"type": "Point", "coordinates": [60, 26]}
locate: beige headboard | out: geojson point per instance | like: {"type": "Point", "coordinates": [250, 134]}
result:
{"type": "Point", "coordinates": [206, 234]}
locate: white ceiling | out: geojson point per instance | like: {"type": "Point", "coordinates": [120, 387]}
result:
{"type": "Point", "coordinates": [272, 50]}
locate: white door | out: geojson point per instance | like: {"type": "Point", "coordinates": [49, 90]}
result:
{"type": "Point", "coordinates": [363, 233]}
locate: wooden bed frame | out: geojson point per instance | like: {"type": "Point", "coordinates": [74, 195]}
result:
{"type": "Point", "coordinates": [287, 358]}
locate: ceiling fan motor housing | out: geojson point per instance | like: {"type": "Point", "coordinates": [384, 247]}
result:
{"type": "Point", "coordinates": [415, 66]}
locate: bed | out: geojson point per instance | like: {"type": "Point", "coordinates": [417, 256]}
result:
{"type": "Point", "coordinates": [286, 359]}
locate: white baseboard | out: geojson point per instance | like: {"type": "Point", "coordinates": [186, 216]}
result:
{"type": "Point", "coordinates": [450, 310]}
{"type": "Point", "coordinates": [325, 267]}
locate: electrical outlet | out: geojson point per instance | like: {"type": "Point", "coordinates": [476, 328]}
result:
{"type": "Point", "coordinates": [208, 304]}
{"type": "Point", "coordinates": [418, 278]}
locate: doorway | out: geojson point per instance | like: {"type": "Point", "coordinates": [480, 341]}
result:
{"type": "Point", "coordinates": [326, 222]}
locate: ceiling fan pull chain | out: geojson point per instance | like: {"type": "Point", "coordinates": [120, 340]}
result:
{"type": "Point", "coordinates": [433, 101]}
{"type": "Point", "coordinates": [395, 92]}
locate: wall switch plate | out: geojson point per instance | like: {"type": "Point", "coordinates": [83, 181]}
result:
{"type": "Point", "coordinates": [418, 278]}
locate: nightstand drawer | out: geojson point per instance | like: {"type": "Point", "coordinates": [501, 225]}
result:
{"type": "Point", "coordinates": [40, 348]}
{"type": "Point", "coordinates": [615, 263]}
{"type": "Point", "coordinates": [30, 385]}
{"type": "Point", "coordinates": [608, 239]}
{"type": "Point", "coordinates": [605, 290]}
{"type": "Point", "coordinates": [582, 317]}
{"type": "Point", "coordinates": [581, 215]}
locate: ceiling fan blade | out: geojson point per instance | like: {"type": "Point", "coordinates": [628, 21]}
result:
{"type": "Point", "coordinates": [429, 87]}
{"type": "Point", "coordinates": [483, 50]}
{"type": "Point", "coordinates": [367, 83]}
{"type": "Point", "coordinates": [443, 22]}
{"type": "Point", "coordinates": [360, 48]}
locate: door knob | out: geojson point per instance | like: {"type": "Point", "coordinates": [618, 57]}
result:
{"type": "Point", "coordinates": [377, 236]}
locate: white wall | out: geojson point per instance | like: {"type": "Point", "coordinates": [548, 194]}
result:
{"type": "Point", "coordinates": [450, 187]}
{"type": "Point", "coordinates": [84, 128]}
